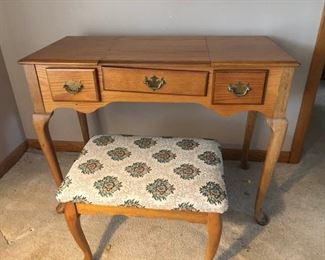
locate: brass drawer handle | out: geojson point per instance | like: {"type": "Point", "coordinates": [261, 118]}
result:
{"type": "Point", "coordinates": [239, 89]}
{"type": "Point", "coordinates": [154, 82]}
{"type": "Point", "coordinates": [73, 86]}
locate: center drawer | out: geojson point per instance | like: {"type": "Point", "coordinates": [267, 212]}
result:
{"type": "Point", "coordinates": [160, 81]}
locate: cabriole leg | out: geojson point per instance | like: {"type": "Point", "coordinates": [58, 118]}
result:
{"type": "Point", "coordinates": [278, 127]}
{"type": "Point", "coordinates": [72, 218]}
{"type": "Point", "coordinates": [214, 233]}
{"type": "Point", "coordinates": [41, 125]}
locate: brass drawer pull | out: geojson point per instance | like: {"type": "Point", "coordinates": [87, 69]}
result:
{"type": "Point", "coordinates": [154, 82]}
{"type": "Point", "coordinates": [73, 86]}
{"type": "Point", "coordinates": [240, 89]}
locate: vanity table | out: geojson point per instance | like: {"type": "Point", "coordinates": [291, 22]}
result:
{"type": "Point", "coordinates": [228, 75]}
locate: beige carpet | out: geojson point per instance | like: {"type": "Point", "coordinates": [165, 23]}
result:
{"type": "Point", "coordinates": [31, 229]}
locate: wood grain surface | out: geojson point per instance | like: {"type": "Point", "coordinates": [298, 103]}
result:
{"type": "Point", "coordinates": [177, 82]}
{"type": "Point", "coordinates": [58, 77]}
{"type": "Point", "coordinates": [255, 79]}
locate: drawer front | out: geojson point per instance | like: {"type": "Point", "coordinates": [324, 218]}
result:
{"type": "Point", "coordinates": [239, 87]}
{"type": "Point", "coordinates": [73, 84]}
{"type": "Point", "coordinates": [193, 83]}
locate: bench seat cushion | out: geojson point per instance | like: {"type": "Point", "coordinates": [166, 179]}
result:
{"type": "Point", "coordinates": [148, 172]}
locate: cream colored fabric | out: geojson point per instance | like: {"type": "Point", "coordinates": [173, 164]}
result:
{"type": "Point", "coordinates": [148, 172]}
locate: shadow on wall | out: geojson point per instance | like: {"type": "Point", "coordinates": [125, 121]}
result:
{"type": "Point", "coordinates": [11, 131]}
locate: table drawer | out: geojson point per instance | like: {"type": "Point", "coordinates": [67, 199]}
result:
{"type": "Point", "coordinates": [239, 86]}
{"type": "Point", "coordinates": [175, 82]}
{"type": "Point", "coordinates": [73, 84]}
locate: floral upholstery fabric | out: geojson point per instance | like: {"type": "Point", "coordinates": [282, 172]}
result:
{"type": "Point", "coordinates": [148, 172]}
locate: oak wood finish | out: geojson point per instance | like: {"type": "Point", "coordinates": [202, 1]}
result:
{"type": "Point", "coordinates": [255, 60]}
{"type": "Point", "coordinates": [193, 83]}
{"type": "Point", "coordinates": [161, 49]}
{"type": "Point", "coordinates": [72, 218]}
{"type": "Point", "coordinates": [58, 77]}
{"type": "Point", "coordinates": [247, 50]}
{"type": "Point", "coordinates": [250, 123]}
{"type": "Point", "coordinates": [34, 88]}
{"type": "Point", "coordinates": [313, 79]}
{"type": "Point", "coordinates": [278, 127]}
{"type": "Point", "coordinates": [275, 75]}
{"type": "Point", "coordinates": [280, 106]}
{"type": "Point", "coordinates": [214, 235]}
{"type": "Point", "coordinates": [194, 217]}
{"type": "Point", "coordinates": [84, 126]}
{"type": "Point", "coordinates": [255, 79]}
{"type": "Point", "coordinates": [40, 122]}
{"type": "Point", "coordinates": [212, 220]}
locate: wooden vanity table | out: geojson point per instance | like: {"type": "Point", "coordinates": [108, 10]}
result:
{"type": "Point", "coordinates": [225, 74]}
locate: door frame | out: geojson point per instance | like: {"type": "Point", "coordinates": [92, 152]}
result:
{"type": "Point", "coordinates": [312, 84]}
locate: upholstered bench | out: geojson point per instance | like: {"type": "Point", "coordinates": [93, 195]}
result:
{"type": "Point", "coordinates": [177, 178]}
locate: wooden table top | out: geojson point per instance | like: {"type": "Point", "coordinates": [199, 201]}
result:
{"type": "Point", "coordinates": [178, 50]}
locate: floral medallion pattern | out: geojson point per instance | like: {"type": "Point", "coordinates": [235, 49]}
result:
{"type": "Point", "coordinates": [138, 169]}
{"type": "Point", "coordinates": [186, 206]}
{"type": "Point", "coordinates": [107, 186]}
{"type": "Point", "coordinates": [131, 203]}
{"type": "Point", "coordinates": [119, 153]}
{"type": "Point", "coordinates": [160, 189]}
{"type": "Point", "coordinates": [187, 171]}
{"type": "Point", "coordinates": [164, 156]}
{"type": "Point", "coordinates": [80, 199]}
{"type": "Point", "coordinates": [91, 166]}
{"type": "Point", "coordinates": [145, 142]}
{"type": "Point", "coordinates": [103, 140]}
{"type": "Point", "coordinates": [210, 158]}
{"type": "Point", "coordinates": [147, 172]}
{"type": "Point", "coordinates": [187, 144]}
{"type": "Point", "coordinates": [213, 192]}
{"type": "Point", "coordinates": [83, 151]}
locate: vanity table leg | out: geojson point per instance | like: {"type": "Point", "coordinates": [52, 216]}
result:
{"type": "Point", "coordinates": [250, 123]}
{"type": "Point", "coordinates": [41, 125]}
{"type": "Point", "coordinates": [84, 126]}
{"type": "Point", "coordinates": [278, 130]}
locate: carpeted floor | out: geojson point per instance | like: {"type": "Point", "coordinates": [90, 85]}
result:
{"type": "Point", "coordinates": [31, 229]}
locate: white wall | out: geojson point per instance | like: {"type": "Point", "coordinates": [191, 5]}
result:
{"type": "Point", "coordinates": [11, 131]}
{"type": "Point", "coordinates": [26, 26]}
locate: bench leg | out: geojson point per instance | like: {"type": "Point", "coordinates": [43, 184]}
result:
{"type": "Point", "coordinates": [214, 234]}
{"type": "Point", "coordinates": [72, 218]}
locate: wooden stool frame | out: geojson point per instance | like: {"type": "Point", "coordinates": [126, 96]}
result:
{"type": "Point", "coordinates": [72, 212]}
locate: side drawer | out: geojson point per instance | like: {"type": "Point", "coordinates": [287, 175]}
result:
{"type": "Point", "coordinates": [73, 84]}
{"type": "Point", "coordinates": [177, 82]}
{"type": "Point", "coordinates": [239, 86]}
